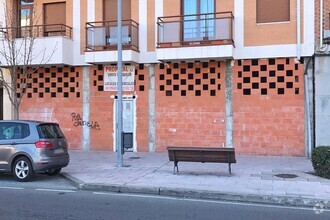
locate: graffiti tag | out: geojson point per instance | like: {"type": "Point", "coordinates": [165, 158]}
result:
{"type": "Point", "coordinates": [78, 121]}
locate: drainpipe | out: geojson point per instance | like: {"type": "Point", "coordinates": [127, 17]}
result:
{"type": "Point", "coordinates": [298, 31]}
{"type": "Point", "coordinates": [309, 132]}
{"type": "Point", "coordinates": [321, 24]}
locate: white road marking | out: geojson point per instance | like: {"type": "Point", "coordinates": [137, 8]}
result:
{"type": "Point", "coordinates": [207, 201]}
{"type": "Point", "coordinates": [56, 190]}
{"type": "Point", "coordinates": [8, 187]}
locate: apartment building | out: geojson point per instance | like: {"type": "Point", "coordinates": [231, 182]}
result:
{"type": "Point", "coordinates": [214, 73]}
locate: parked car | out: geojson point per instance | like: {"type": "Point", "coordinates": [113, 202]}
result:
{"type": "Point", "coordinates": [28, 147]}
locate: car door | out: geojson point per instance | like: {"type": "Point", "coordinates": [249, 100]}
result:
{"type": "Point", "coordinates": [9, 136]}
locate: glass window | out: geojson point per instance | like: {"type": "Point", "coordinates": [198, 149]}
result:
{"type": "Point", "coordinates": [49, 131]}
{"type": "Point", "coordinates": [198, 20]}
{"type": "Point", "coordinates": [25, 12]}
{"type": "Point", "coordinates": [273, 11]}
{"type": "Point", "coordinates": [13, 130]}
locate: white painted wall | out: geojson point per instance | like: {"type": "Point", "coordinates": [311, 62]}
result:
{"type": "Point", "coordinates": [46, 50]}
{"type": "Point", "coordinates": [322, 101]}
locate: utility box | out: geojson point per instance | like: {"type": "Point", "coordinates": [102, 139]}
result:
{"type": "Point", "coordinates": [127, 141]}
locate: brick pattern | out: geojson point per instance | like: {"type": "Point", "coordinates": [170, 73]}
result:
{"type": "Point", "coordinates": [269, 107]}
{"type": "Point", "coordinates": [53, 82]}
{"type": "Point", "coordinates": [190, 79]}
{"type": "Point", "coordinates": [54, 94]}
{"type": "Point", "coordinates": [142, 107]}
{"type": "Point", "coordinates": [190, 104]}
{"type": "Point", "coordinates": [268, 78]}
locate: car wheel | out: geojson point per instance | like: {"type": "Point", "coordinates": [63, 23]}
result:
{"type": "Point", "coordinates": [23, 169]}
{"type": "Point", "coordinates": [53, 172]}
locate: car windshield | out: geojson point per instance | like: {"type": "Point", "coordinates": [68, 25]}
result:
{"type": "Point", "coordinates": [49, 131]}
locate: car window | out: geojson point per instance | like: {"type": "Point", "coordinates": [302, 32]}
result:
{"type": "Point", "coordinates": [49, 131]}
{"type": "Point", "coordinates": [14, 130]}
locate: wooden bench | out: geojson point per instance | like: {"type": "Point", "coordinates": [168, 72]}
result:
{"type": "Point", "coordinates": [203, 155]}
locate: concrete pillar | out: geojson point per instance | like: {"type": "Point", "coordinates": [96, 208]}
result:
{"type": "Point", "coordinates": [86, 108]}
{"type": "Point", "coordinates": [152, 113]}
{"type": "Point", "coordinates": [229, 103]}
{"type": "Point", "coordinates": [309, 103]}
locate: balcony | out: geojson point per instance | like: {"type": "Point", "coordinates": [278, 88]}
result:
{"type": "Point", "coordinates": [101, 41]}
{"type": "Point", "coordinates": [37, 31]}
{"type": "Point", "coordinates": [52, 44]}
{"type": "Point", "coordinates": [195, 36]}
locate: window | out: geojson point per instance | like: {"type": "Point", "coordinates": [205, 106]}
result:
{"type": "Point", "coordinates": [25, 17]}
{"type": "Point", "coordinates": [25, 8]}
{"type": "Point", "coordinates": [54, 17]}
{"type": "Point", "coordinates": [110, 10]}
{"type": "Point", "coordinates": [198, 24]}
{"type": "Point", "coordinates": [273, 11]}
{"type": "Point", "coordinates": [13, 130]}
{"type": "Point", "coordinates": [50, 131]}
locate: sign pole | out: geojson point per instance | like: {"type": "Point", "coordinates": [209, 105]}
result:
{"type": "Point", "coordinates": [119, 126]}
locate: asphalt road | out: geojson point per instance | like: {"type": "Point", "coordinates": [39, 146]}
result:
{"type": "Point", "coordinates": [38, 181]}
{"type": "Point", "coordinates": [58, 202]}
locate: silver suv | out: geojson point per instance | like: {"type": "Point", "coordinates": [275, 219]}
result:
{"type": "Point", "coordinates": [28, 147]}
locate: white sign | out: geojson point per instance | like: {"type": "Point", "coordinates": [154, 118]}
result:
{"type": "Point", "coordinates": [111, 80]}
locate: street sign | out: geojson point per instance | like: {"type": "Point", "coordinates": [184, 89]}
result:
{"type": "Point", "coordinates": [111, 78]}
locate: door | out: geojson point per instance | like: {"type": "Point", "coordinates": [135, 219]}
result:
{"type": "Point", "coordinates": [198, 25]}
{"type": "Point", "coordinates": [54, 19]}
{"type": "Point", "coordinates": [25, 17]}
{"type": "Point", "coordinates": [128, 123]}
{"type": "Point", "coordinates": [11, 135]}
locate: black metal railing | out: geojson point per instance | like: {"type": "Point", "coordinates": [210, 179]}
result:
{"type": "Point", "coordinates": [195, 29]}
{"type": "Point", "coordinates": [103, 35]}
{"type": "Point", "coordinates": [36, 31]}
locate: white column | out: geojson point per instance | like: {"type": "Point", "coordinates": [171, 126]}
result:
{"type": "Point", "coordinates": [86, 108]}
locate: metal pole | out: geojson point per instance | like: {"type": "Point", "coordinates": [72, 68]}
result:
{"type": "Point", "coordinates": [120, 95]}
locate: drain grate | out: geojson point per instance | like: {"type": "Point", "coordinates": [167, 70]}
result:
{"type": "Point", "coordinates": [286, 175]}
{"type": "Point", "coordinates": [134, 158]}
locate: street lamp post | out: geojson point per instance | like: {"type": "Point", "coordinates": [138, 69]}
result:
{"type": "Point", "coordinates": [119, 126]}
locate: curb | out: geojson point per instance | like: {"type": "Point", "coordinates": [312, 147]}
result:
{"type": "Point", "coordinates": [294, 201]}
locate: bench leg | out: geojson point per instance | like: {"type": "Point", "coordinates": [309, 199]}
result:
{"type": "Point", "coordinates": [176, 165]}
{"type": "Point", "coordinates": [229, 169]}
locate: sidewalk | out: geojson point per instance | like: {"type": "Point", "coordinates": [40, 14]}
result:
{"type": "Point", "coordinates": [253, 178]}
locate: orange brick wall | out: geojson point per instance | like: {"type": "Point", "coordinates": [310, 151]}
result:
{"type": "Point", "coordinates": [54, 95]}
{"type": "Point", "coordinates": [101, 109]}
{"type": "Point", "coordinates": [190, 104]}
{"type": "Point", "coordinates": [269, 107]}
{"type": "Point", "coordinates": [142, 107]}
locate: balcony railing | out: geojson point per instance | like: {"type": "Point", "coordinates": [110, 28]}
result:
{"type": "Point", "coordinates": [36, 31]}
{"type": "Point", "coordinates": [195, 30]}
{"type": "Point", "coordinates": [103, 35]}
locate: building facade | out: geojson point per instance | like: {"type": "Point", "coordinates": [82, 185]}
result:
{"type": "Point", "coordinates": [214, 73]}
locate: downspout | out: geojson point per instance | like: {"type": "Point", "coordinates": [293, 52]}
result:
{"type": "Point", "coordinates": [309, 132]}
{"type": "Point", "coordinates": [321, 24]}
{"type": "Point", "coordinates": [298, 31]}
